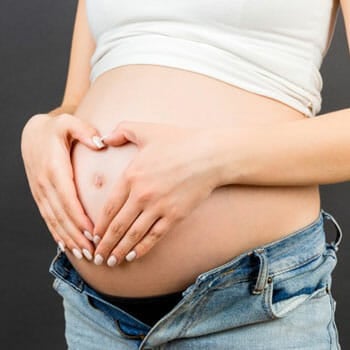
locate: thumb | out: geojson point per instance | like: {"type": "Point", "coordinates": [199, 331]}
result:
{"type": "Point", "coordinates": [126, 132]}
{"type": "Point", "coordinates": [83, 132]}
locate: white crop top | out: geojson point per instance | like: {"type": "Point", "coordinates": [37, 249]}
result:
{"type": "Point", "coordinates": [270, 47]}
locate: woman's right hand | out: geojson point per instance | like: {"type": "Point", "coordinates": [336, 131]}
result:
{"type": "Point", "coordinates": [46, 143]}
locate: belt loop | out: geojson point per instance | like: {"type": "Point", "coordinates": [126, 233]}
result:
{"type": "Point", "coordinates": [339, 237]}
{"type": "Point", "coordinates": [263, 271]}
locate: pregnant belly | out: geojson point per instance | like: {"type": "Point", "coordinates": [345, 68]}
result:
{"type": "Point", "coordinates": [231, 220]}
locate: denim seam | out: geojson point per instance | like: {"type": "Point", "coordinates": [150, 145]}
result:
{"type": "Point", "coordinates": [172, 313]}
{"type": "Point", "coordinates": [51, 267]}
{"type": "Point", "coordinates": [274, 274]}
{"type": "Point", "coordinates": [267, 296]}
{"type": "Point", "coordinates": [231, 283]}
{"type": "Point", "coordinates": [56, 282]}
{"type": "Point", "coordinates": [193, 316]}
{"type": "Point", "coordinates": [332, 322]}
{"type": "Point", "coordinates": [263, 274]}
{"type": "Point", "coordinates": [293, 267]}
{"type": "Point", "coordinates": [269, 303]}
{"type": "Point", "coordinates": [268, 300]}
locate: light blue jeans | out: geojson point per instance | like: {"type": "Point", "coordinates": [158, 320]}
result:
{"type": "Point", "coordinates": [276, 296]}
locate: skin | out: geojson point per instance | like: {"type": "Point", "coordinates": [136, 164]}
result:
{"type": "Point", "coordinates": [50, 172]}
{"type": "Point", "coordinates": [171, 198]}
{"type": "Point", "coordinates": [215, 225]}
{"type": "Point", "coordinates": [248, 211]}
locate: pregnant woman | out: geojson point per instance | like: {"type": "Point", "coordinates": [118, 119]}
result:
{"type": "Point", "coordinates": [181, 174]}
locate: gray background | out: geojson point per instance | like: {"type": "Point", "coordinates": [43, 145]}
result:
{"type": "Point", "coordinates": [34, 50]}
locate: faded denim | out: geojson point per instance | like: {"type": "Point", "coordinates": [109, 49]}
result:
{"type": "Point", "coordinates": [276, 296]}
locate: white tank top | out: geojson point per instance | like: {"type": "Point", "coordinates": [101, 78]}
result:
{"type": "Point", "coordinates": [270, 47]}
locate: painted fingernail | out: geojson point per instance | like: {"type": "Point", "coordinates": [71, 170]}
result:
{"type": "Point", "coordinates": [87, 254]}
{"type": "Point", "coordinates": [112, 260]}
{"type": "Point", "coordinates": [102, 138]}
{"type": "Point", "coordinates": [98, 141]}
{"type": "Point", "coordinates": [77, 253]}
{"type": "Point", "coordinates": [98, 259]}
{"type": "Point", "coordinates": [96, 239]}
{"type": "Point", "coordinates": [88, 235]}
{"type": "Point", "coordinates": [131, 256]}
{"type": "Point", "coordinates": [61, 245]}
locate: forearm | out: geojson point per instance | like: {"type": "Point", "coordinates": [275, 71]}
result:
{"type": "Point", "coordinates": [302, 152]}
{"type": "Point", "coordinates": [70, 109]}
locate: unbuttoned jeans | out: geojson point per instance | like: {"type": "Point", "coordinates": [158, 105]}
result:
{"type": "Point", "coordinates": [276, 296]}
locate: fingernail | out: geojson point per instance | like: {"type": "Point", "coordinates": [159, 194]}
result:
{"type": "Point", "coordinates": [98, 141]}
{"type": "Point", "coordinates": [98, 259]}
{"type": "Point", "coordinates": [131, 256]}
{"type": "Point", "coordinates": [112, 260]}
{"type": "Point", "coordinates": [77, 253]}
{"type": "Point", "coordinates": [96, 239]}
{"type": "Point", "coordinates": [87, 254]}
{"type": "Point", "coordinates": [61, 245]}
{"type": "Point", "coordinates": [102, 138]}
{"type": "Point", "coordinates": [88, 235]}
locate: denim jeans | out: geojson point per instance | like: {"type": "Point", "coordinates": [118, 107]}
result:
{"type": "Point", "coordinates": [276, 296]}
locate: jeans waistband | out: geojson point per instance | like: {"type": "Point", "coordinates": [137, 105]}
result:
{"type": "Point", "coordinates": [281, 255]}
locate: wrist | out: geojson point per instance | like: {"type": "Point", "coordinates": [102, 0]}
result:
{"type": "Point", "coordinates": [230, 149]}
{"type": "Point", "coordinates": [66, 108]}
{"type": "Point", "coordinates": [219, 150]}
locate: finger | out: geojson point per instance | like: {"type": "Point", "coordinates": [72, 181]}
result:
{"type": "Point", "coordinates": [155, 234]}
{"type": "Point", "coordinates": [134, 235]}
{"type": "Point", "coordinates": [62, 181]}
{"type": "Point", "coordinates": [120, 196]}
{"type": "Point", "coordinates": [60, 236]}
{"type": "Point", "coordinates": [67, 208]}
{"type": "Point", "coordinates": [46, 212]}
{"type": "Point", "coordinates": [115, 231]}
{"type": "Point", "coordinates": [81, 131]}
{"type": "Point", "coordinates": [134, 131]}
{"type": "Point", "coordinates": [81, 245]}
{"type": "Point", "coordinates": [120, 135]}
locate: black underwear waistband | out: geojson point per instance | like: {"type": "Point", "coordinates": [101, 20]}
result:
{"type": "Point", "coordinates": [149, 309]}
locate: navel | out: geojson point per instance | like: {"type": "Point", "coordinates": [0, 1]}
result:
{"type": "Point", "coordinates": [99, 180]}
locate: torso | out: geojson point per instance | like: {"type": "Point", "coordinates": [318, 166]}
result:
{"type": "Point", "coordinates": [231, 221]}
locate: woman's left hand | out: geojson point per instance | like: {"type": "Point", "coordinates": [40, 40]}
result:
{"type": "Point", "coordinates": [174, 170]}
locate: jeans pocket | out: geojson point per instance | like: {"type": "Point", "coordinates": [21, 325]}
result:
{"type": "Point", "coordinates": [290, 289]}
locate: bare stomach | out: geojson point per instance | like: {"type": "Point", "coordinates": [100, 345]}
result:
{"type": "Point", "coordinates": [232, 220]}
